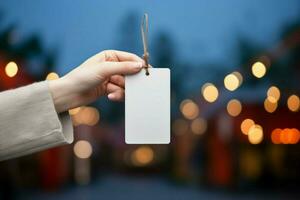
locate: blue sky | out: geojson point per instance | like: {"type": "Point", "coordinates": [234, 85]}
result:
{"type": "Point", "coordinates": [203, 31]}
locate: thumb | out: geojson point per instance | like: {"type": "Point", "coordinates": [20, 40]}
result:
{"type": "Point", "coordinates": [120, 68]}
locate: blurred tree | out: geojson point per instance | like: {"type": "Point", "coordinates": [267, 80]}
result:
{"type": "Point", "coordinates": [36, 61]}
{"type": "Point", "coordinates": [287, 70]}
{"type": "Point", "coordinates": [129, 37]}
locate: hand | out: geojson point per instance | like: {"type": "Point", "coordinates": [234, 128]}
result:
{"type": "Point", "coordinates": [100, 75]}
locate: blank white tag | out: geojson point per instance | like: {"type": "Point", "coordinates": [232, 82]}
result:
{"type": "Point", "coordinates": [147, 107]}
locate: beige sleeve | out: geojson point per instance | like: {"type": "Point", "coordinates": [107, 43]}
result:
{"type": "Point", "coordinates": [29, 122]}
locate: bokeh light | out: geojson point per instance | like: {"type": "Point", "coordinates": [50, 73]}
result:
{"type": "Point", "coordinates": [234, 107]}
{"type": "Point", "coordinates": [199, 126]}
{"type": "Point", "coordinates": [90, 116]}
{"type": "Point", "coordinates": [259, 69]}
{"type": "Point", "coordinates": [83, 149]}
{"type": "Point", "coordinates": [233, 81]}
{"type": "Point", "coordinates": [275, 136]}
{"type": "Point", "coordinates": [189, 109]}
{"type": "Point", "coordinates": [239, 76]}
{"type": "Point", "coordinates": [210, 92]}
{"type": "Point", "coordinates": [11, 69]}
{"type": "Point", "coordinates": [142, 156]}
{"type": "Point", "coordinates": [273, 94]}
{"type": "Point", "coordinates": [85, 116]}
{"type": "Point", "coordinates": [293, 103]}
{"type": "Point", "coordinates": [284, 137]}
{"type": "Point", "coordinates": [255, 134]}
{"type": "Point", "coordinates": [52, 76]}
{"type": "Point", "coordinates": [246, 125]}
{"type": "Point", "coordinates": [270, 106]}
{"type": "Point", "coordinates": [294, 136]}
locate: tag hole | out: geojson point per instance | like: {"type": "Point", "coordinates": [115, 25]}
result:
{"type": "Point", "coordinates": [147, 74]}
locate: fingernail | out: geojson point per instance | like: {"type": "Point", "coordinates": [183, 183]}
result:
{"type": "Point", "coordinates": [111, 96]}
{"type": "Point", "coordinates": [139, 64]}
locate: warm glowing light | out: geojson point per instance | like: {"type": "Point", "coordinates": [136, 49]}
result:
{"type": "Point", "coordinates": [273, 94]}
{"type": "Point", "coordinates": [259, 69]}
{"type": "Point", "coordinates": [83, 149]}
{"type": "Point", "coordinates": [189, 109]}
{"type": "Point", "coordinates": [294, 136]}
{"type": "Point", "coordinates": [11, 69]}
{"type": "Point", "coordinates": [246, 125]}
{"type": "Point", "coordinates": [142, 156]}
{"type": "Point", "coordinates": [90, 116]}
{"type": "Point", "coordinates": [284, 136]}
{"type": "Point", "coordinates": [199, 126]}
{"type": "Point", "coordinates": [270, 106]}
{"type": "Point", "coordinates": [180, 126]}
{"type": "Point", "coordinates": [233, 81]}
{"type": "Point", "coordinates": [239, 76]}
{"type": "Point", "coordinates": [293, 103]}
{"type": "Point", "coordinates": [255, 134]}
{"type": "Point", "coordinates": [86, 116]}
{"type": "Point", "coordinates": [210, 92]}
{"type": "Point", "coordinates": [275, 136]}
{"type": "Point", "coordinates": [74, 111]}
{"type": "Point", "coordinates": [52, 76]}
{"type": "Point", "coordinates": [234, 107]}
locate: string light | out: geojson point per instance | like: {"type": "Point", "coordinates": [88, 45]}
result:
{"type": "Point", "coordinates": [83, 149]}
{"type": "Point", "coordinates": [199, 126]}
{"type": "Point", "coordinates": [210, 92]}
{"type": "Point", "coordinates": [246, 125]}
{"type": "Point", "coordinates": [293, 103]}
{"type": "Point", "coordinates": [294, 136]}
{"type": "Point", "coordinates": [189, 109]}
{"type": "Point", "coordinates": [234, 107]}
{"type": "Point", "coordinates": [11, 69]}
{"type": "Point", "coordinates": [285, 136]}
{"type": "Point", "coordinates": [270, 106]}
{"type": "Point", "coordinates": [273, 94]}
{"type": "Point", "coordinates": [233, 81]}
{"type": "Point", "coordinates": [52, 76]}
{"type": "Point", "coordinates": [259, 69]}
{"type": "Point", "coordinates": [85, 116]}
{"type": "Point", "coordinates": [142, 156]}
{"type": "Point", "coordinates": [275, 136]}
{"type": "Point", "coordinates": [255, 134]}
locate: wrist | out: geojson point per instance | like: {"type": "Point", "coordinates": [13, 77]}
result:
{"type": "Point", "coordinates": [61, 95]}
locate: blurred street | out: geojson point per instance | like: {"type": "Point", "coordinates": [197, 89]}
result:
{"type": "Point", "coordinates": [146, 188]}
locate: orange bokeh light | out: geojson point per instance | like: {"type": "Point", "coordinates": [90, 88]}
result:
{"type": "Point", "coordinates": [285, 136]}
{"type": "Point", "coordinates": [275, 136]}
{"type": "Point", "coordinates": [293, 136]}
{"type": "Point", "coordinates": [246, 125]}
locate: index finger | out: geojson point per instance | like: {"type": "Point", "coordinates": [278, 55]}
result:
{"type": "Point", "coordinates": [124, 56]}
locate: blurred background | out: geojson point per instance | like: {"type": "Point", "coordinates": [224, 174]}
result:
{"type": "Point", "coordinates": [235, 99]}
